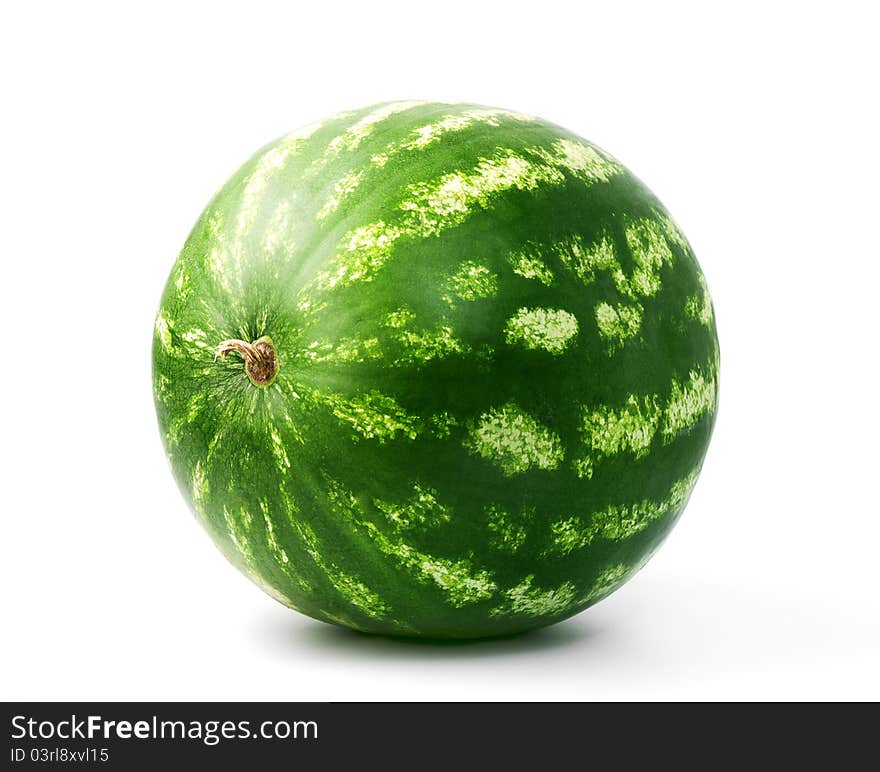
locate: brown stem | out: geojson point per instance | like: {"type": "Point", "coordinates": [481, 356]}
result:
{"type": "Point", "coordinates": [260, 362]}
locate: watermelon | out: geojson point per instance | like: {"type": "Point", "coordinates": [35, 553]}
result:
{"type": "Point", "coordinates": [436, 370]}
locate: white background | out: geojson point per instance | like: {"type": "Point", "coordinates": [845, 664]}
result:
{"type": "Point", "coordinates": [756, 126]}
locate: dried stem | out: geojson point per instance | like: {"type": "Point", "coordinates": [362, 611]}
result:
{"type": "Point", "coordinates": [260, 362]}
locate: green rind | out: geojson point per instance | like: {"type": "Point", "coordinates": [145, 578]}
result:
{"type": "Point", "coordinates": [498, 371]}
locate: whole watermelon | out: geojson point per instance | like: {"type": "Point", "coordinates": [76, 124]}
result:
{"type": "Point", "coordinates": [436, 370]}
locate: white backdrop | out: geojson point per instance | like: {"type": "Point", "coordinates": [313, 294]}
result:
{"type": "Point", "coordinates": [757, 127]}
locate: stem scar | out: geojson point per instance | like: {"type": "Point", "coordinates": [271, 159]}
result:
{"type": "Point", "coordinates": [260, 362]}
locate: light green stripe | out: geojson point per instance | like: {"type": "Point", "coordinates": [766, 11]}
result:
{"type": "Point", "coordinates": [374, 415]}
{"type": "Point", "coordinates": [514, 441]}
{"type": "Point", "coordinates": [349, 587]}
{"type": "Point", "coordinates": [461, 582]}
{"type": "Point", "coordinates": [361, 129]}
{"type": "Point", "coordinates": [688, 402]}
{"type": "Point", "coordinates": [608, 579]}
{"type": "Point", "coordinates": [163, 330]}
{"type": "Point", "coordinates": [648, 242]}
{"type": "Point", "coordinates": [619, 323]}
{"type": "Point", "coordinates": [418, 139]}
{"type": "Point", "coordinates": [421, 509]}
{"type": "Point", "coordinates": [699, 305]}
{"type": "Point", "coordinates": [618, 521]}
{"type": "Point", "coordinates": [343, 188]}
{"type": "Point", "coordinates": [508, 533]}
{"type": "Point", "coordinates": [525, 599]}
{"type": "Point", "coordinates": [470, 281]}
{"type": "Point", "coordinates": [530, 267]}
{"type": "Point", "coordinates": [432, 207]}
{"type": "Point", "coordinates": [270, 163]}
{"type": "Point", "coordinates": [547, 329]}
{"type": "Point", "coordinates": [609, 431]}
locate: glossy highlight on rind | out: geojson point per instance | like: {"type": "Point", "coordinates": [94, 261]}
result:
{"type": "Point", "coordinates": [496, 371]}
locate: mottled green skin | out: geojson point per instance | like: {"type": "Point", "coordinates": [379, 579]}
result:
{"type": "Point", "coordinates": [359, 487]}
